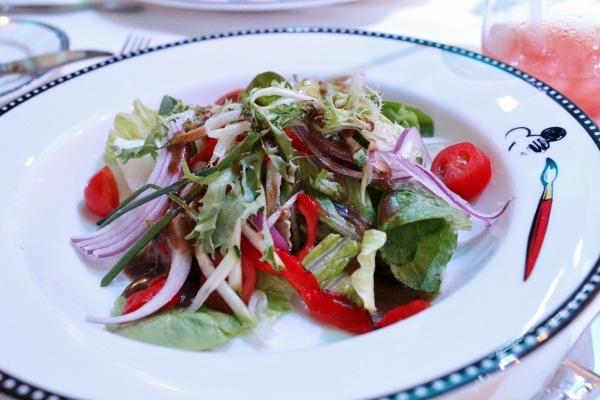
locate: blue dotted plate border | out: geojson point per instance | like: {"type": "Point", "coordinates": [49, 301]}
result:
{"type": "Point", "coordinates": [498, 360]}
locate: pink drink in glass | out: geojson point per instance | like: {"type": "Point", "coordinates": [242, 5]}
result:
{"type": "Point", "coordinates": [562, 54]}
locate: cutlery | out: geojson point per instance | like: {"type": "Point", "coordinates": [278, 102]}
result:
{"type": "Point", "coordinates": [576, 377]}
{"type": "Point", "coordinates": [44, 62]}
{"type": "Point", "coordinates": [134, 43]}
{"type": "Point", "coordinates": [41, 8]}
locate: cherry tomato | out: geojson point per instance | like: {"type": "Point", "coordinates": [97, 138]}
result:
{"type": "Point", "coordinates": [233, 96]}
{"type": "Point", "coordinates": [464, 169]}
{"type": "Point", "coordinates": [101, 194]}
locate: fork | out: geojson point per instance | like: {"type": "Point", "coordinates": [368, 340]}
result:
{"type": "Point", "coordinates": [135, 43]}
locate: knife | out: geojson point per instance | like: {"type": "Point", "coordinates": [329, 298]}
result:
{"type": "Point", "coordinates": [578, 376]}
{"type": "Point", "coordinates": [41, 8]}
{"type": "Point", "coordinates": [44, 62]}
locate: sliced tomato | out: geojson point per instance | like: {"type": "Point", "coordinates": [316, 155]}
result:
{"type": "Point", "coordinates": [464, 169]}
{"type": "Point", "coordinates": [101, 194]}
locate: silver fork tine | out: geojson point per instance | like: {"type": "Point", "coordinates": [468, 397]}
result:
{"type": "Point", "coordinates": [134, 43]}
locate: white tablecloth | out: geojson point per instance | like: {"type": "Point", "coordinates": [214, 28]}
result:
{"type": "Point", "coordinates": [455, 22]}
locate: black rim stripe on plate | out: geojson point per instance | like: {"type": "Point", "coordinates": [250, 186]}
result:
{"type": "Point", "coordinates": [496, 361]}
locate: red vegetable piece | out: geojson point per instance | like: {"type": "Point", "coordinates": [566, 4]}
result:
{"type": "Point", "coordinates": [141, 297]}
{"type": "Point", "coordinates": [464, 169]}
{"type": "Point", "coordinates": [297, 143]}
{"type": "Point", "coordinates": [101, 194]}
{"type": "Point", "coordinates": [402, 312]}
{"type": "Point", "coordinates": [310, 209]}
{"type": "Point", "coordinates": [216, 302]}
{"type": "Point", "coordinates": [333, 308]}
{"type": "Point", "coordinates": [205, 153]}
{"type": "Point", "coordinates": [337, 310]}
{"type": "Point", "coordinates": [253, 256]}
{"type": "Point", "coordinates": [233, 96]}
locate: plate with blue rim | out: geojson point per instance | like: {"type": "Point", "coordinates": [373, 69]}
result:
{"type": "Point", "coordinates": [490, 313]}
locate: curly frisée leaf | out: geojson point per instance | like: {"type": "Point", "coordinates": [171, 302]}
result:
{"type": "Point", "coordinates": [229, 197]}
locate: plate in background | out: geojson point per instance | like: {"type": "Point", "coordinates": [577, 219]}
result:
{"type": "Point", "coordinates": [246, 5]}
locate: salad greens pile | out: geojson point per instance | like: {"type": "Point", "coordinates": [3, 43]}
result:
{"type": "Point", "coordinates": [283, 173]}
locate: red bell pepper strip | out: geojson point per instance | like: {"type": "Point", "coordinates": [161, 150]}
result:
{"type": "Point", "coordinates": [311, 210]}
{"type": "Point", "coordinates": [254, 255]}
{"type": "Point", "coordinates": [297, 143]}
{"type": "Point", "coordinates": [205, 153]}
{"type": "Point", "coordinates": [333, 308]}
{"type": "Point", "coordinates": [141, 297]}
{"type": "Point", "coordinates": [216, 302]}
{"type": "Point", "coordinates": [402, 312]}
{"type": "Point", "coordinates": [330, 307]}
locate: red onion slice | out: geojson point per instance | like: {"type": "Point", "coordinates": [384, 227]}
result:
{"type": "Point", "coordinates": [180, 268]}
{"type": "Point", "coordinates": [437, 187]}
{"type": "Point", "coordinates": [411, 142]}
{"type": "Point", "coordinates": [118, 236]}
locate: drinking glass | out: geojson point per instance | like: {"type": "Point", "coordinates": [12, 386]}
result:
{"type": "Point", "coordinates": [556, 41]}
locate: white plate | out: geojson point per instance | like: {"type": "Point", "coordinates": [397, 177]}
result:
{"type": "Point", "coordinates": [487, 316]}
{"type": "Point", "coordinates": [22, 38]}
{"type": "Point", "coordinates": [246, 5]}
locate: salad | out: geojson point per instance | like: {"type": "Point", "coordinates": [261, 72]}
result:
{"type": "Point", "coordinates": [303, 194]}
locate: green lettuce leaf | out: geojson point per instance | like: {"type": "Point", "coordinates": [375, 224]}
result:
{"type": "Point", "coordinates": [181, 329]}
{"type": "Point", "coordinates": [339, 199]}
{"type": "Point", "coordinates": [141, 123]}
{"type": "Point", "coordinates": [363, 278]}
{"type": "Point", "coordinates": [230, 196]}
{"type": "Point", "coordinates": [327, 260]}
{"type": "Point", "coordinates": [278, 291]}
{"type": "Point", "coordinates": [421, 237]}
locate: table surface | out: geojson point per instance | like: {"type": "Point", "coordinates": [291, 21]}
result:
{"type": "Point", "coordinates": [456, 22]}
